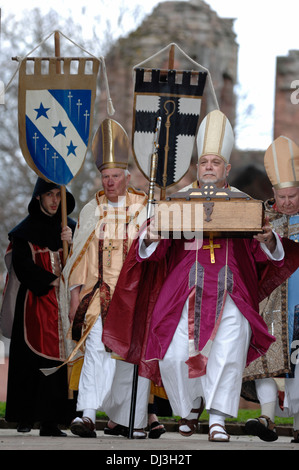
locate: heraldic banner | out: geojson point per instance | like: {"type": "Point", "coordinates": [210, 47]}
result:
{"type": "Point", "coordinates": [55, 114]}
{"type": "Point", "coordinates": [175, 97]}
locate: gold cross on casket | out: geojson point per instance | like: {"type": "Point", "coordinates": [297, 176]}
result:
{"type": "Point", "coordinates": [109, 249]}
{"type": "Point", "coordinates": [211, 247]}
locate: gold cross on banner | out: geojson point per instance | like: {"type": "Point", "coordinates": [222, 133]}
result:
{"type": "Point", "coordinates": [211, 247]}
{"type": "Point", "coordinates": [109, 248]}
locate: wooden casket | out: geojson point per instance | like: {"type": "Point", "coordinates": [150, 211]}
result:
{"type": "Point", "coordinates": [209, 209]}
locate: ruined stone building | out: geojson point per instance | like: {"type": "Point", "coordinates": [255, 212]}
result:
{"type": "Point", "coordinates": [210, 41]}
{"type": "Point", "coordinates": [198, 31]}
{"type": "Point", "coordinates": [285, 122]}
{"type": "Point", "coordinates": [286, 113]}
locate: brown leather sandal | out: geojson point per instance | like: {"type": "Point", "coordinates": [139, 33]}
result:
{"type": "Point", "coordinates": [213, 433]}
{"type": "Point", "coordinates": [191, 423]}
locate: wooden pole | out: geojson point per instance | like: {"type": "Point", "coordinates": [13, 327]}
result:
{"type": "Point", "coordinates": [63, 205]}
{"type": "Point", "coordinates": [171, 58]}
{"type": "Point", "coordinates": [62, 188]}
{"type": "Point", "coordinates": [170, 67]}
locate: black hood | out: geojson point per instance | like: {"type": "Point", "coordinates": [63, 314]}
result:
{"type": "Point", "coordinates": [39, 228]}
{"type": "Point", "coordinates": [42, 187]}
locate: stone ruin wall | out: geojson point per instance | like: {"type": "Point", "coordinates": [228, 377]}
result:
{"type": "Point", "coordinates": [210, 41]}
{"type": "Point", "coordinates": [286, 115]}
{"type": "Point", "coordinates": [196, 29]}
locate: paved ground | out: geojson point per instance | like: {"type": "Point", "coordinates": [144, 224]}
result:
{"type": "Point", "coordinates": [150, 451]}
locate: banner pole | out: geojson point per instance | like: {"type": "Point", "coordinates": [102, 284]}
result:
{"type": "Point", "coordinates": [170, 67]}
{"type": "Point", "coordinates": [62, 188]}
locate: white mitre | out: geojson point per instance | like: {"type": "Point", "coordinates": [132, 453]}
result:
{"type": "Point", "coordinates": [215, 136]}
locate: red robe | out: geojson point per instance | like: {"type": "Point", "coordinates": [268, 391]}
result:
{"type": "Point", "coordinates": [42, 330]}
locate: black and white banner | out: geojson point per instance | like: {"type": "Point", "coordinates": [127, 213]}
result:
{"type": "Point", "coordinates": [177, 100]}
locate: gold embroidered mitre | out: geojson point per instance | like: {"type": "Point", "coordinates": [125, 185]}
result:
{"type": "Point", "coordinates": [111, 146]}
{"type": "Point", "coordinates": [215, 136]}
{"type": "Point", "coordinates": [282, 163]}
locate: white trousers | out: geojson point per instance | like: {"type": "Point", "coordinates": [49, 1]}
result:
{"type": "Point", "coordinates": [221, 385]}
{"type": "Point", "coordinates": [267, 392]}
{"type": "Point", "coordinates": [106, 384]}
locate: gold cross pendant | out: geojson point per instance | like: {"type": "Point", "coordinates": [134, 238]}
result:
{"type": "Point", "coordinates": [109, 248]}
{"type": "Point", "coordinates": [211, 247]}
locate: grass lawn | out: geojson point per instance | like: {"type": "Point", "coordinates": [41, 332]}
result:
{"type": "Point", "coordinates": [243, 416]}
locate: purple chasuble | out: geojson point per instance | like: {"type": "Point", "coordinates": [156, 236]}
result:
{"type": "Point", "coordinates": [236, 272]}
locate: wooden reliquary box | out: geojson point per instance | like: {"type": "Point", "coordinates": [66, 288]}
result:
{"type": "Point", "coordinates": [209, 209]}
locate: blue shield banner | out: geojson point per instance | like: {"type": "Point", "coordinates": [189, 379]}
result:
{"type": "Point", "coordinates": [55, 119]}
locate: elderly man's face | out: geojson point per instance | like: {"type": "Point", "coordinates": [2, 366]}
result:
{"type": "Point", "coordinates": [115, 183]}
{"type": "Point", "coordinates": [212, 169]}
{"type": "Point", "coordinates": [287, 200]}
